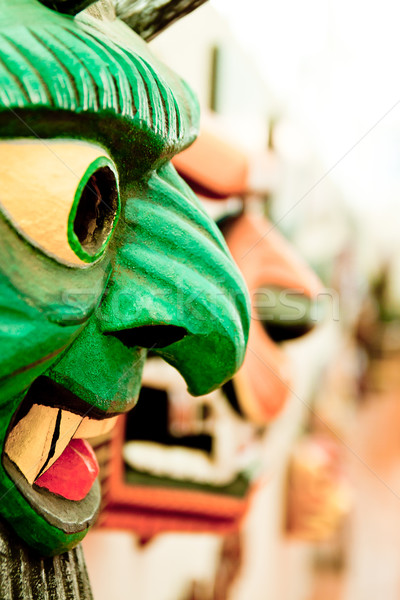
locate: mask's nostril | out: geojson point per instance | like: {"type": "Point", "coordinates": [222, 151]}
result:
{"type": "Point", "coordinates": [150, 336]}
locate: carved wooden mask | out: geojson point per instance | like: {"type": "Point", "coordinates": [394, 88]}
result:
{"type": "Point", "coordinates": [105, 254]}
{"type": "Point", "coordinates": [282, 288]}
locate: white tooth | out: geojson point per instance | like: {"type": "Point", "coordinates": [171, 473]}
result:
{"type": "Point", "coordinates": [29, 443]}
{"type": "Point", "coordinates": [90, 428]}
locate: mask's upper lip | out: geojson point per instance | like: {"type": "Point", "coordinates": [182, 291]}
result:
{"type": "Point", "coordinates": [46, 392]}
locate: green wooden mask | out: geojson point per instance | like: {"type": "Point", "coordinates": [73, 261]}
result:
{"type": "Point", "coordinates": [106, 254]}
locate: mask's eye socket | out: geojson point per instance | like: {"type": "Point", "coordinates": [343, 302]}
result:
{"type": "Point", "coordinates": [94, 212]}
{"type": "Point", "coordinates": [61, 196]}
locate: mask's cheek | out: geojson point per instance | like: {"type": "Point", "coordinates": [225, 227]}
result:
{"type": "Point", "coordinates": [43, 306]}
{"type": "Point", "coordinates": [63, 294]}
{"type": "Point", "coordinates": [29, 342]}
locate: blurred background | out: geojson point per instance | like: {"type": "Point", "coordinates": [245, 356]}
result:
{"type": "Point", "coordinates": [300, 135]}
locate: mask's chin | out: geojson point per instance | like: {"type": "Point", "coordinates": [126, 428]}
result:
{"type": "Point", "coordinates": [47, 458]}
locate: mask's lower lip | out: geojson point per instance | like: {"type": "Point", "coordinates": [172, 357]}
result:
{"type": "Point", "coordinates": [68, 515]}
{"type": "Point", "coordinates": [48, 459]}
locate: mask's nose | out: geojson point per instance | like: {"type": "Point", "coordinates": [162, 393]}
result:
{"type": "Point", "coordinates": [174, 289]}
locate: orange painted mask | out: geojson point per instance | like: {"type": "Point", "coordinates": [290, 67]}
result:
{"type": "Point", "coordinates": [282, 289]}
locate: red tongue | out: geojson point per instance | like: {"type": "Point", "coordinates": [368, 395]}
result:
{"type": "Point", "coordinates": [73, 473]}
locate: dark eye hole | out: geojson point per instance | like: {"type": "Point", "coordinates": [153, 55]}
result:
{"type": "Point", "coordinates": [284, 314]}
{"type": "Point", "coordinates": [96, 211]}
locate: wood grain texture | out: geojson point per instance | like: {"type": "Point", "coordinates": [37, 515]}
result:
{"type": "Point", "coordinates": [24, 574]}
{"type": "Point", "coordinates": [151, 18]}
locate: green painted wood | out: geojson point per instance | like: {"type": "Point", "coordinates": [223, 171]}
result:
{"type": "Point", "coordinates": [165, 265]}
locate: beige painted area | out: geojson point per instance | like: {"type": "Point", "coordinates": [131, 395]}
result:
{"type": "Point", "coordinates": [29, 442]}
{"type": "Point", "coordinates": [90, 428]}
{"type": "Point", "coordinates": [39, 179]}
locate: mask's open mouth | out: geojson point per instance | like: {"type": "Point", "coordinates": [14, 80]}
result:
{"type": "Point", "coordinates": [48, 458]}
